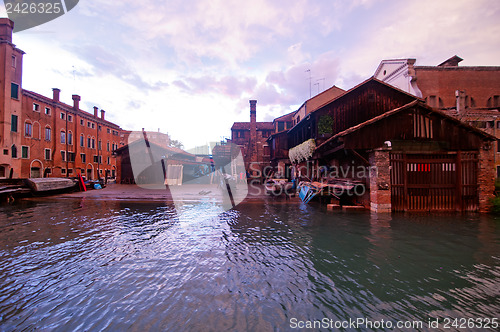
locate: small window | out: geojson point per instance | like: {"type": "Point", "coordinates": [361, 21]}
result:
{"type": "Point", "coordinates": [93, 125]}
{"type": "Point", "coordinates": [47, 111]}
{"type": "Point", "coordinates": [48, 171]}
{"type": "Point", "coordinates": [24, 152]}
{"type": "Point", "coordinates": [82, 122]}
{"type": "Point", "coordinates": [70, 171]}
{"type": "Point", "coordinates": [93, 143]}
{"type": "Point", "coordinates": [14, 90]}
{"type": "Point", "coordinates": [63, 170]}
{"type": "Point", "coordinates": [108, 130]}
{"type": "Point", "coordinates": [28, 129]}
{"type": "Point", "coordinates": [89, 142]}
{"type": "Point", "coordinates": [63, 155]}
{"type": "Point", "coordinates": [63, 116]}
{"type": "Point", "coordinates": [36, 107]}
{"type": "Point", "coordinates": [88, 124]}
{"type": "Point", "coordinates": [109, 161]}
{"type": "Point", "coordinates": [70, 138]}
{"type": "Point", "coordinates": [48, 154]}
{"type": "Point", "coordinates": [14, 64]}
{"type": "Point", "coordinates": [498, 145]}
{"type": "Point", "coordinates": [83, 157]}
{"type": "Point", "coordinates": [82, 140]}
{"type": "Point", "coordinates": [48, 134]}
{"type": "Point", "coordinates": [71, 156]}
{"type": "Point", "coordinates": [70, 118]}
{"type": "Point", "coordinates": [99, 127]}
{"type": "Point", "coordinates": [99, 145]}
{"type": "Point", "coordinates": [63, 137]}
{"type": "Point", "coordinates": [6, 152]}
{"type": "Point", "coordinates": [107, 146]}
{"type": "Point", "coordinates": [13, 123]}
{"type": "Point", "coordinates": [498, 171]}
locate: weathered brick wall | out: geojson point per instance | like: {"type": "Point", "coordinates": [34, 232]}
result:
{"type": "Point", "coordinates": [380, 181]}
{"type": "Point", "coordinates": [486, 176]}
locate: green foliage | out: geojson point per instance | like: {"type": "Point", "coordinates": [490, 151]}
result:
{"type": "Point", "coordinates": [325, 125]}
{"type": "Point", "coordinates": [495, 205]}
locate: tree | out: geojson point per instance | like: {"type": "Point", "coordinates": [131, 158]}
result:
{"type": "Point", "coordinates": [176, 144]}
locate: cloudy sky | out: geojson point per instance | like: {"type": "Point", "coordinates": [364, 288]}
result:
{"type": "Point", "coordinates": [189, 67]}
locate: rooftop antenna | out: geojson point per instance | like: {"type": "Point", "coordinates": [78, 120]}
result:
{"type": "Point", "coordinates": [74, 79]}
{"type": "Point", "coordinates": [322, 79]}
{"type": "Point", "coordinates": [310, 78]}
{"type": "Point", "coordinates": [317, 85]}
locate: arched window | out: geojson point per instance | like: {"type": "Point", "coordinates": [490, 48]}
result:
{"type": "Point", "coordinates": [48, 133]}
{"type": "Point", "coordinates": [63, 137]}
{"type": "Point", "coordinates": [82, 140]}
{"type": "Point", "coordinates": [14, 151]}
{"type": "Point", "coordinates": [28, 129]}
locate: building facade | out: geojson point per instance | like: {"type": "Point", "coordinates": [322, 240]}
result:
{"type": "Point", "coordinates": [251, 137]}
{"type": "Point", "coordinates": [468, 93]}
{"type": "Point", "coordinates": [44, 137]}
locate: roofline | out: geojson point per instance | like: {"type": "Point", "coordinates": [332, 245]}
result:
{"type": "Point", "coordinates": [372, 78]}
{"type": "Point", "coordinates": [399, 109]}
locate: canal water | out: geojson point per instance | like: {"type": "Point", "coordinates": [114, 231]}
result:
{"type": "Point", "coordinates": [93, 265]}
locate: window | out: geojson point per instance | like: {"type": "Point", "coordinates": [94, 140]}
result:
{"type": "Point", "coordinates": [89, 142]}
{"type": "Point", "coordinates": [47, 110]}
{"type": "Point", "coordinates": [107, 146]}
{"type": "Point", "coordinates": [36, 107]}
{"type": "Point", "coordinates": [498, 145]}
{"type": "Point", "coordinates": [109, 161]}
{"type": "Point", "coordinates": [71, 156]}
{"type": "Point", "coordinates": [63, 171]}
{"type": "Point", "coordinates": [81, 122]}
{"type": "Point", "coordinates": [498, 171]}
{"type": "Point", "coordinates": [63, 137]}
{"type": "Point", "coordinates": [281, 126]}
{"type": "Point", "coordinates": [48, 134]}
{"type": "Point", "coordinates": [48, 154]}
{"type": "Point", "coordinates": [108, 130]}
{"type": "Point", "coordinates": [63, 116]}
{"type": "Point", "coordinates": [99, 127]}
{"type": "Point", "coordinates": [6, 152]}
{"type": "Point", "coordinates": [48, 170]}
{"type": "Point", "coordinates": [93, 143]}
{"type": "Point", "coordinates": [99, 145]}
{"type": "Point", "coordinates": [82, 140]}
{"type": "Point", "coordinates": [14, 61]}
{"type": "Point", "coordinates": [14, 90]}
{"type": "Point", "coordinates": [28, 129]}
{"type": "Point", "coordinates": [14, 151]}
{"type": "Point", "coordinates": [98, 159]}
{"type": "Point", "coordinates": [24, 152]}
{"type": "Point", "coordinates": [70, 138]}
{"type": "Point", "coordinates": [70, 171]}
{"type": "Point", "coordinates": [13, 123]}
{"type": "Point", "coordinates": [83, 157]}
{"type": "Point", "coordinates": [93, 125]}
{"type": "Point", "coordinates": [422, 126]}
{"type": "Point", "coordinates": [63, 155]}
{"type": "Point", "coordinates": [70, 118]}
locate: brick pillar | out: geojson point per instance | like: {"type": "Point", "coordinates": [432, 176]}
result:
{"type": "Point", "coordinates": [486, 176]}
{"type": "Point", "coordinates": [380, 180]}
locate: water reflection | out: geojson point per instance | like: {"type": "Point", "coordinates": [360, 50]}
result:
{"type": "Point", "coordinates": [107, 265]}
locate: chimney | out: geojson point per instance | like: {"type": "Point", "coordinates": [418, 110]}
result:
{"type": "Point", "coordinates": [460, 95]}
{"type": "Point", "coordinates": [102, 114]}
{"type": "Point", "coordinates": [55, 94]}
{"type": "Point", "coordinates": [253, 131]}
{"type": "Point", "coordinates": [76, 101]}
{"type": "Point", "coordinates": [95, 111]}
{"type": "Point", "coordinates": [6, 27]}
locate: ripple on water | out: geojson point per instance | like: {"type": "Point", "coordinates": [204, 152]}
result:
{"type": "Point", "coordinates": [105, 265]}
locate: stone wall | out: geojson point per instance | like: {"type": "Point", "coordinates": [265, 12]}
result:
{"type": "Point", "coordinates": [380, 180]}
{"type": "Point", "coordinates": [486, 176]}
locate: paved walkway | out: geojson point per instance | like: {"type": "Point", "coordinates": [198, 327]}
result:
{"type": "Point", "coordinates": [134, 193]}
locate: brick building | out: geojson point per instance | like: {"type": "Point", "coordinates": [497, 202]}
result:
{"type": "Point", "coordinates": [251, 137]}
{"type": "Point", "coordinates": [42, 136]}
{"type": "Point", "coordinates": [469, 93]}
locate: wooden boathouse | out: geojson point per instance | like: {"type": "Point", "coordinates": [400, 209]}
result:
{"type": "Point", "coordinates": [420, 159]}
{"type": "Point", "coordinates": [414, 157]}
